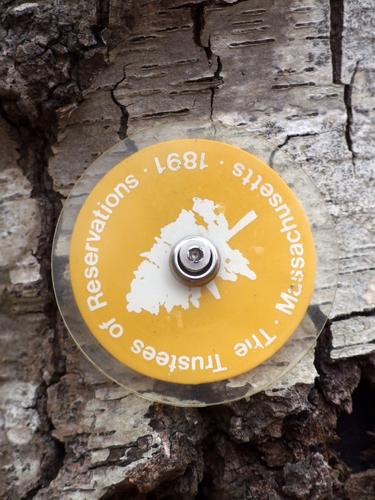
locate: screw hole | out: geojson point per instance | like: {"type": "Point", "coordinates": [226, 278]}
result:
{"type": "Point", "coordinates": [195, 254]}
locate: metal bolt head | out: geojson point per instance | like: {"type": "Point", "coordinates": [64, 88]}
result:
{"type": "Point", "coordinates": [195, 254]}
{"type": "Point", "coordinates": [194, 261]}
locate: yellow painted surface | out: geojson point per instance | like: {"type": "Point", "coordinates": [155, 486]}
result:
{"type": "Point", "coordinates": [216, 337]}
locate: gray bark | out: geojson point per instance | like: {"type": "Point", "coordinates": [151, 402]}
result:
{"type": "Point", "coordinates": [75, 77]}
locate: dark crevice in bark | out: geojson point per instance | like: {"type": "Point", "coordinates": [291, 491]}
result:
{"type": "Point", "coordinates": [67, 65]}
{"type": "Point", "coordinates": [323, 349]}
{"type": "Point", "coordinates": [126, 492]}
{"type": "Point", "coordinates": [8, 119]}
{"type": "Point", "coordinates": [34, 153]}
{"type": "Point", "coordinates": [337, 25]}
{"type": "Point", "coordinates": [349, 116]}
{"type": "Point", "coordinates": [336, 37]}
{"type": "Point", "coordinates": [357, 430]}
{"type": "Point", "coordinates": [52, 461]}
{"type": "Point", "coordinates": [217, 78]}
{"type": "Point", "coordinates": [349, 112]}
{"type": "Point", "coordinates": [292, 85]}
{"type": "Point", "coordinates": [226, 3]}
{"type": "Point", "coordinates": [354, 314]}
{"type": "Point", "coordinates": [163, 114]}
{"type": "Point", "coordinates": [102, 18]}
{"type": "Point", "coordinates": [347, 386]}
{"type": "Point", "coordinates": [285, 142]}
{"type": "Point", "coordinates": [124, 121]}
{"type": "Point", "coordinates": [198, 17]}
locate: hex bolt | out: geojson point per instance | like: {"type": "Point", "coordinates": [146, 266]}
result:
{"type": "Point", "coordinates": [194, 260]}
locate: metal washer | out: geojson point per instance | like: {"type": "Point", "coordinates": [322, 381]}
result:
{"type": "Point", "coordinates": [194, 261]}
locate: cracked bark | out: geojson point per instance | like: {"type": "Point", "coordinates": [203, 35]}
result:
{"type": "Point", "coordinates": [122, 133]}
{"type": "Point", "coordinates": [337, 25]}
{"type": "Point", "coordinates": [73, 79]}
{"type": "Point", "coordinates": [197, 14]}
{"type": "Point", "coordinates": [348, 89]}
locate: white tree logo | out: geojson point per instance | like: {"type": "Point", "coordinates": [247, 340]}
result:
{"type": "Point", "coordinates": [154, 286]}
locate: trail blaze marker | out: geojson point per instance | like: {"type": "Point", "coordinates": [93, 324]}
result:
{"type": "Point", "coordinates": [187, 265]}
{"type": "Point", "coordinates": [120, 261]}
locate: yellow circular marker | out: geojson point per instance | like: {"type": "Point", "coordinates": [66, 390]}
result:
{"type": "Point", "coordinates": [131, 299]}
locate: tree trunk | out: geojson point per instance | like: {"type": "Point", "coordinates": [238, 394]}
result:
{"type": "Point", "coordinates": [75, 77]}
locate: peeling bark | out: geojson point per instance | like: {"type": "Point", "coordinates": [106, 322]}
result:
{"type": "Point", "coordinates": [74, 78]}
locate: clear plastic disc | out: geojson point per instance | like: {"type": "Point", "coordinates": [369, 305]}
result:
{"type": "Point", "coordinates": [178, 343]}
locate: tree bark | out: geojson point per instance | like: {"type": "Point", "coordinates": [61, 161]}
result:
{"type": "Point", "coordinates": [77, 76]}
